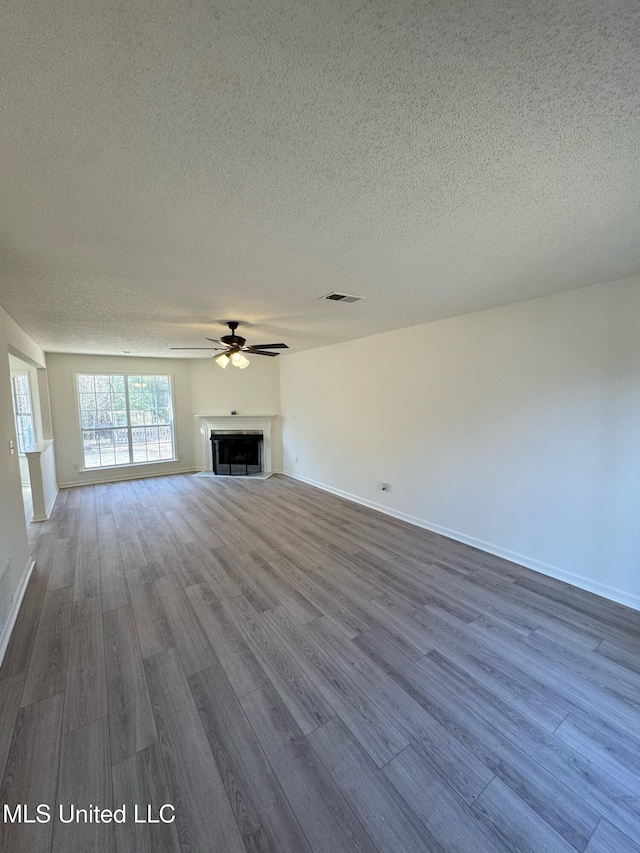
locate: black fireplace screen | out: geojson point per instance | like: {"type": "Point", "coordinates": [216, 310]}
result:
{"type": "Point", "coordinates": [237, 455]}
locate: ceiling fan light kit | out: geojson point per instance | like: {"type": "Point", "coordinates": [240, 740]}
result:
{"type": "Point", "coordinates": [239, 360]}
{"type": "Point", "coordinates": [233, 349]}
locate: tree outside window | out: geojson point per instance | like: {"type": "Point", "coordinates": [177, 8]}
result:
{"type": "Point", "coordinates": [125, 419]}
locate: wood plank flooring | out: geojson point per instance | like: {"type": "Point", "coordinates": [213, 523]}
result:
{"type": "Point", "coordinates": [296, 673]}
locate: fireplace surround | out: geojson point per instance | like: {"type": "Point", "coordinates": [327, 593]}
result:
{"type": "Point", "coordinates": [236, 425]}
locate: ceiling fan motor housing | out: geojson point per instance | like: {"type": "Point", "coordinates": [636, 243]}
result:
{"type": "Point", "coordinates": [233, 340]}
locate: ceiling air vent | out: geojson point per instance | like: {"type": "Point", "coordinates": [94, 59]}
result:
{"type": "Point", "coordinates": [342, 297]}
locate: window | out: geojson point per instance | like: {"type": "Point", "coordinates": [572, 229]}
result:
{"type": "Point", "coordinates": [23, 410]}
{"type": "Point", "coordinates": [125, 419]}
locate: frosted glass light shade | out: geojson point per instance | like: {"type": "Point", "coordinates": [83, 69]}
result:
{"type": "Point", "coordinates": [238, 360]}
{"type": "Point", "coordinates": [222, 360]}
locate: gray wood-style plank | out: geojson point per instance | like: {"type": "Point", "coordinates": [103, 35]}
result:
{"type": "Point", "coordinates": [513, 821]}
{"type": "Point", "coordinates": [375, 732]}
{"type": "Point", "coordinates": [87, 573]}
{"type": "Point", "coordinates": [247, 582]}
{"type": "Point", "coordinates": [10, 694]}
{"type": "Point", "coordinates": [309, 708]}
{"type": "Point", "coordinates": [560, 807]}
{"type": "Point", "coordinates": [113, 580]}
{"type": "Point", "coordinates": [242, 669]}
{"type": "Point", "coordinates": [615, 751]}
{"type": "Point", "coordinates": [294, 672]}
{"type": "Point", "coordinates": [203, 810]}
{"type": "Point", "coordinates": [382, 811]}
{"type": "Point", "coordinates": [447, 817]}
{"type": "Point", "coordinates": [578, 775]}
{"type": "Point", "coordinates": [191, 641]}
{"type": "Point", "coordinates": [47, 666]}
{"type": "Point", "coordinates": [215, 576]}
{"type": "Point", "coordinates": [30, 775]}
{"type": "Point", "coordinates": [139, 781]}
{"type": "Point", "coordinates": [84, 780]}
{"type": "Point", "coordinates": [86, 687]}
{"type": "Point", "coordinates": [153, 628]}
{"type": "Point", "coordinates": [132, 726]}
{"type": "Point", "coordinates": [448, 637]}
{"type": "Point", "coordinates": [63, 564]}
{"type": "Point", "coordinates": [262, 812]}
{"type": "Point", "coordinates": [328, 822]}
{"type": "Point", "coordinates": [608, 839]}
{"type": "Point", "coordinates": [628, 657]}
{"type": "Point", "coordinates": [154, 554]}
{"type": "Point", "coordinates": [464, 772]}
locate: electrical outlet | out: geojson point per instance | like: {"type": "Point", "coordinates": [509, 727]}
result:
{"type": "Point", "coordinates": [12, 448]}
{"type": "Point", "coordinates": [385, 487]}
{"type": "Point", "coordinates": [296, 460]}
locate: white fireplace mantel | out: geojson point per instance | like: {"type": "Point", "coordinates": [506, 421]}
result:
{"type": "Point", "coordinates": [233, 422]}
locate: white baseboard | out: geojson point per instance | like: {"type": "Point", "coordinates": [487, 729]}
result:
{"type": "Point", "coordinates": [604, 590]}
{"type": "Point", "coordinates": [15, 609]}
{"type": "Point", "coordinates": [99, 481]}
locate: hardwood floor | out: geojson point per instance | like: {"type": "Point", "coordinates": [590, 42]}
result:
{"type": "Point", "coordinates": [296, 673]}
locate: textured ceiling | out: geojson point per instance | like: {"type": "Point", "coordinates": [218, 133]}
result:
{"type": "Point", "coordinates": [167, 165]}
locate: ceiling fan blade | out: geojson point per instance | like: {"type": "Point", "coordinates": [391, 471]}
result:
{"type": "Point", "coordinates": [259, 352]}
{"type": "Point", "coordinates": [209, 348]}
{"type": "Point", "coordinates": [266, 346]}
{"type": "Point", "coordinates": [215, 340]}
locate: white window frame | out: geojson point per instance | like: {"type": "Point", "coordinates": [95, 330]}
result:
{"type": "Point", "coordinates": [129, 427]}
{"type": "Point", "coordinates": [16, 413]}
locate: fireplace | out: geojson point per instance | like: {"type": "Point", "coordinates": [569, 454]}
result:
{"type": "Point", "coordinates": [235, 425]}
{"type": "Point", "coordinates": [236, 453]}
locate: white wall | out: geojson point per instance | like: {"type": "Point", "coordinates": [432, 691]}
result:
{"type": "Point", "coordinates": [515, 429]}
{"type": "Point", "coordinates": [13, 533]}
{"type": "Point", "coordinates": [199, 387]}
